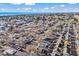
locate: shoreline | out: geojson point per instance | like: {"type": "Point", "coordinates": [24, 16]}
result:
{"type": "Point", "coordinates": [8, 15]}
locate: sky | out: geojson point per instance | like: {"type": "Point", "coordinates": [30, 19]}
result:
{"type": "Point", "coordinates": [39, 7]}
{"type": "Point", "coordinates": [39, 1]}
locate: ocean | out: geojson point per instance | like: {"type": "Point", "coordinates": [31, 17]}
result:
{"type": "Point", "coordinates": [23, 13]}
{"type": "Point", "coordinates": [17, 13]}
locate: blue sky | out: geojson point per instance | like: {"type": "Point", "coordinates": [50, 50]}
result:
{"type": "Point", "coordinates": [39, 7]}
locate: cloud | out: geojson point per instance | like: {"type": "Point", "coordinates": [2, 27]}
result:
{"type": "Point", "coordinates": [62, 5]}
{"type": "Point", "coordinates": [27, 9]}
{"type": "Point", "coordinates": [72, 3]}
{"type": "Point", "coordinates": [23, 3]}
{"type": "Point", "coordinates": [16, 3]}
{"type": "Point", "coordinates": [34, 9]}
{"type": "Point", "coordinates": [39, 1]}
{"type": "Point", "coordinates": [1, 9]}
{"type": "Point", "coordinates": [46, 8]}
{"type": "Point", "coordinates": [52, 7]}
{"type": "Point", "coordinates": [23, 9]}
{"type": "Point", "coordinates": [29, 3]}
{"type": "Point", "coordinates": [40, 10]}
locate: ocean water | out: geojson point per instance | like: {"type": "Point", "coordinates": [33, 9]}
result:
{"type": "Point", "coordinates": [16, 13]}
{"type": "Point", "coordinates": [22, 13]}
